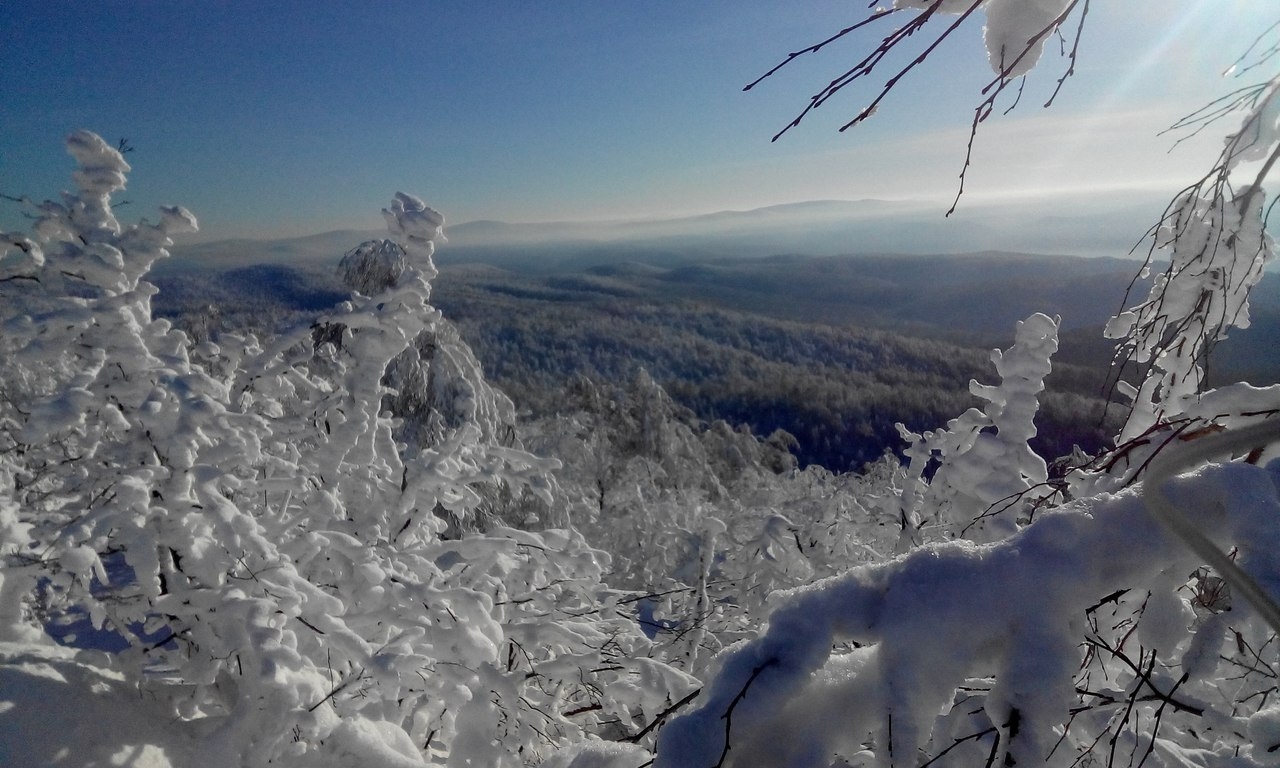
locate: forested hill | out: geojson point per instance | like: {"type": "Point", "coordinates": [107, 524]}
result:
{"type": "Point", "coordinates": [838, 390]}
{"type": "Point", "coordinates": [833, 349]}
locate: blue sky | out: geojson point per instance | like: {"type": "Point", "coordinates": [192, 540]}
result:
{"type": "Point", "coordinates": [282, 118]}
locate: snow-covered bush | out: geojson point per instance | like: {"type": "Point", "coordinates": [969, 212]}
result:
{"type": "Point", "coordinates": [970, 479]}
{"type": "Point", "coordinates": [1134, 623]}
{"type": "Point", "coordinates": [1060, 645]}
{"type": "Point", "coordinates": [242, 530]}
{"type": "Point", "coordinates": [704, 521]}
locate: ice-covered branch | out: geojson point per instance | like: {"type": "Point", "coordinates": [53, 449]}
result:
{"type": "Point", "coordinates": [1218, 249]}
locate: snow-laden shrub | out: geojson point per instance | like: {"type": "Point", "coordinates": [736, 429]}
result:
{"type": "Point", "coordinates": [969, 479]}
{"type": "Point", "coordinates": [1057, 646]}
{"type": "Point", "coordinates": [704, 521]}
{"type": "Point", "coordinates": [1120, 627]}
{"type": "Point", "coordinates": [243, 531]}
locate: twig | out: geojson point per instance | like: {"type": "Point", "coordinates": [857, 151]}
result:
{"type": "Point", "coordinates": [880, 14]}
{"type": "Point", "coordinates": [657, 721]}
{"type": "Point", "coordinates": [727, 717]}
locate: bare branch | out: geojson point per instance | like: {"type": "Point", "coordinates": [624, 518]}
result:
{"type": "Point", "coordinates": [897, 38]}
{"type": "Point", "coordinates": [880, 14]}
{"type": "Point", "coordinates": [662, 716]}
{"type": "Point", "coordinates": [727, 717]}
{"type": "Point", "coordinates": [870, 109]}
{"type": "Point", "coordinates": [1072, 55]}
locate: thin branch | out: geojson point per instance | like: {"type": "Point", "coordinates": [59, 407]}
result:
{"type": "Point", "coordinates": [1072, 56]}
{"type": "Point", "coordinates": [1000, 82]}
{"type": "Point", "coordinates": [870, 109]}
{"type": "Point", "coordinates": [959, 741]}
{"type": "Point", "coordinates": [727, 717]}
{"type": "Point", "coordinates": [662, 716]}
{"type": "Point", "coordinates": [1239, 67]}
{"type": "Point", "coordinates": [880, 14]}
{"type": "Point", "coordinates": [868, 64]}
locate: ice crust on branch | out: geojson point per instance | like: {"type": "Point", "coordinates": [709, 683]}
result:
{"type": "Point", "coordinates": [415, 226]}
{"type": "Point", "coordinates": [102, 168]}
{"type": "Point", "coordinates": [1218, 249]}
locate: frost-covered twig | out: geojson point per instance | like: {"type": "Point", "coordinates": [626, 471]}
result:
{"type": "Point", "coordinates": [1215, 236]}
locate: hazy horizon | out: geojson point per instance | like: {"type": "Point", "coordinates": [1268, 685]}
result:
{"type": "Point", "coordinates": [282, 120]}
{"type": "Point", "coordinates": [813, 228]}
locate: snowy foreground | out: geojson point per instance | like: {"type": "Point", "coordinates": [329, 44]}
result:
{"type": "Point", "coordinates": [923, 625]}
{"type": "Point", "coordinates": [63, 707]}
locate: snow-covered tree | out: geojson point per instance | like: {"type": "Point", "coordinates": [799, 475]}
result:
{"type": "Point", "coordinates": [984, 465]}
{"type": "Point", "coordinates": [243, 530]}
{"type": "Point", "coordinates": [704, 521]}
{"type": "Point", "coordinates": [1126, 628]}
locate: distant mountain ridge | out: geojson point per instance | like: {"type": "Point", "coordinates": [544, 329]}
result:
{"type": "Point", "coordinates": [817, 228]}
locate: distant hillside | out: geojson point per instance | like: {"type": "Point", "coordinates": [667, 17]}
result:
{"type": "Point", "coordinates": [834, 349]}
{"type": "Point", "coordinates": [838, 388]}
{"type": "Point", "coordinates": [980, 294]}
{"type": "Point", "coordinates": [322, 249]}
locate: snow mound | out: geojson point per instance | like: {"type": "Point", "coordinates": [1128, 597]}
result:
{"type": "Point", "coordinates": [67, 708]}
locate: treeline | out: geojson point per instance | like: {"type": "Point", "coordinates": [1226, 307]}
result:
{"type": "Point", "coordinates": [838, 390]}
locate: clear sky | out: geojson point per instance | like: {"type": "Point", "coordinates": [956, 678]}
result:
{"type": "Point", "coordinates": [282, 118]}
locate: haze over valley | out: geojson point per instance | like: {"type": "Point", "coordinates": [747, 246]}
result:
{"type": "Point", "coordinates": [738, 319]}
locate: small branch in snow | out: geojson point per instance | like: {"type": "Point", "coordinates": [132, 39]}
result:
{"type": "Point", "coordinates": [309, 625]}
{"type": "Point", "coordinates": [337, 689]}
{"type": "Point", "coordinates": [662, 716]}
{"type": "Point", "coordinates": [727, 717]}
{"type": "Point", "coordinates": [963, 739]}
